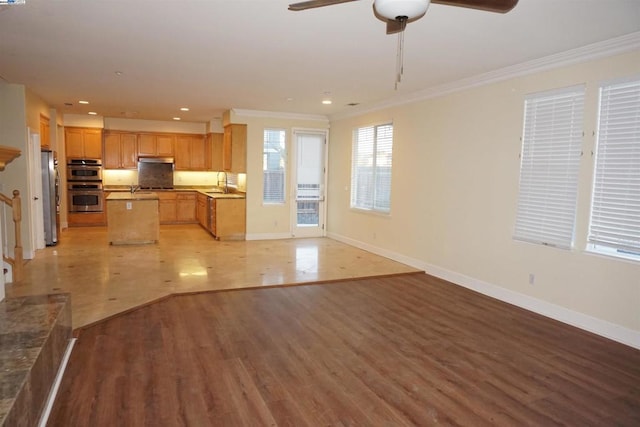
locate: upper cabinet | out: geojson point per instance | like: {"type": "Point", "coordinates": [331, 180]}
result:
{"type": "Point", "coordinates": [45, 133]}
{"type": "Point", "coordinates": [120, 150]}
{"type": "Point", "coordinates": [83, 143]}
{"type": "Point", "coordinates": [215, 142]}
{"type": "Point", "coordinates": [234, 148]}
{"type": "Point", "coordinates": [151, 144]}
{"type": "Point", "coordinates": [193, 152]}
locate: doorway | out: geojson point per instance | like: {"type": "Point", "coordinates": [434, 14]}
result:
{"type": "Point", "coordinates": [308, 183]}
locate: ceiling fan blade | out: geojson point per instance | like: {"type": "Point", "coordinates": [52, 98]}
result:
{"type": "Point", "coordinates": [315, 3]}
{"type": "Point", "coordinates": [498, 6]}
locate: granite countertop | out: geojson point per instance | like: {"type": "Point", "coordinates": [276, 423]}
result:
{"type": "Point", "coordinates": [213, 192]}
{"type": "Point", "coordinates": [138, 195]}
{"type": "Point", "coordinates": [26, 324]}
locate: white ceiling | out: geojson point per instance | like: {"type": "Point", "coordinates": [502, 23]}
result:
{"type": "Point", "coordinates": [213, 55]}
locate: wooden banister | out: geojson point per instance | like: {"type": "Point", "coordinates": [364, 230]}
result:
{"type": "Point", "coordinates": [17, 262]}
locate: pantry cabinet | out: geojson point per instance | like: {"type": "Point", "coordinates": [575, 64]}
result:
{"type": "Point", "coordinates": [120, 151]}
{"type": "Point", "coordinates": [83, 143]}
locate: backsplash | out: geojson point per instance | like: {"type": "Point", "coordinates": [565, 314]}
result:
{"type": "Point", "coordinates": [180, 178]}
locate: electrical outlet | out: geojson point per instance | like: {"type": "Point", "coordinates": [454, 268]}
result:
{"type": "Point", "coordinates": [532, 278]}
{"type": "Point", "coordinates": [129, 206]}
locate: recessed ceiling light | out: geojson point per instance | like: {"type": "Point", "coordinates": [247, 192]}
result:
{"type": "Point", "coordinates": [93, 113]}
{"type": "Point", "coordinates": [326, 101]}
{"type": "Point", "coordinates": [184, 109]}
{"type": "Point", "coordinates": [289, 99]}
{"type": "Point", "coordinates": [83, 102]}
{"type": "Point", "coordinates": [119, 73]}
{"type": "Point", "coordinates": [177, 118]}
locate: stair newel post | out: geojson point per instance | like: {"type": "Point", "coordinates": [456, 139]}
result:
{"type": "Point", "coordinates": [18, 266]}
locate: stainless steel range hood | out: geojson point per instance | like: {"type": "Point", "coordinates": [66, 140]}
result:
{"type": "Point", "coordinates": [155, 172]}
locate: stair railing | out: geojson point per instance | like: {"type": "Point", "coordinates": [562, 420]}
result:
{"type": "Point", "coordinates": [17, 262]}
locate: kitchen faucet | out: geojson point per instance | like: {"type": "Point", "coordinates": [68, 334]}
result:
{"type": "Point", "coordinates": [134, 188]}
{"type": "Point", "coordinates": [226, 182]}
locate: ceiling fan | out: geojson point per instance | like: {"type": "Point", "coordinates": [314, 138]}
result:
{"type": "Point", "coordinates": [397, 13]}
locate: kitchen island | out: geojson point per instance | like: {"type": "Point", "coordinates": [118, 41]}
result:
{"type": "Point", "coordinates": [132, 218]}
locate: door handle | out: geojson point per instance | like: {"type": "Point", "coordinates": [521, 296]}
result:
{"type": "Point", "coordinates": [35, 198]}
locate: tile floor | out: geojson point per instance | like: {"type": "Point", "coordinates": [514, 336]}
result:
{"type": "Point", "coordinates": [105, 280]}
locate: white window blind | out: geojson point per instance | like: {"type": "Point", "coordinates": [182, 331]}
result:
{"type": "Point", "coordinates": [615, 212]}
{"type": "Point", "coordinates": [273, 166]}
{"type": "Point", "coordinates": [550, 161]}
{"type": "Point", "coordinates": [371, 168]}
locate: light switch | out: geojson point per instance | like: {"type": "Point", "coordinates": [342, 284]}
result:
{"type": "Point", "coordinates": [128, 206]}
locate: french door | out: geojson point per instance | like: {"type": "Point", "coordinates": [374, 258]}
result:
{"type": "Point", "coordinates": [308, 182]}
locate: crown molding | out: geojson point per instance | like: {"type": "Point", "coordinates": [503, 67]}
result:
{"type": "Point", "coordinates": [280, 115]}
{"type": "Point", "coordinates": [589, 52]}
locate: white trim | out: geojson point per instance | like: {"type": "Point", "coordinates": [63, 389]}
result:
{"type": "Point", "coordinates": [268, 236]}
{"type": "Point", "coordinates": [46, 411]}
{"type": "Point", "coordinates": [593, 51]}
{"type": "Point", "coordinates": [280, 115]}
{"type": "Point", "coordinates": [592, 324]}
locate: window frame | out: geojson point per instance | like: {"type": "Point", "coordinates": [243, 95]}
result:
{"type": "Point", "coordinates": [610, 146]}
{"type": "Point", "coordinates": [354, 200]}
{"type": "Point", "coordinates": [265, 169]}
{"type": "Point", "coordinates": [551, 150]}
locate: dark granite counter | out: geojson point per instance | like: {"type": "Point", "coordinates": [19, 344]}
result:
{"type": "Point", "coordinates": [34, 335]}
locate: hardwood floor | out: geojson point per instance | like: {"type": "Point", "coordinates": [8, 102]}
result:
{"type": "Point", "coordinates": [107, 280]}
{"type": "Point", "coordinates": [394, 351]}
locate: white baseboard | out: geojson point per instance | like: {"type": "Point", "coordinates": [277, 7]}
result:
{"type": "Point", "coordinates": [592, 324]}
{"type": "Point", "coordinates": [268, 236]}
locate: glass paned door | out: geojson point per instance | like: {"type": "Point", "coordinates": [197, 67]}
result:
{"type": "Point", "coordinates": [309, 184]}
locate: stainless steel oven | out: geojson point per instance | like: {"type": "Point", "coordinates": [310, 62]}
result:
{"type": "Point", "coordinates": [84, 170]}
{"type": "Point", "coordinates": [85, 196]}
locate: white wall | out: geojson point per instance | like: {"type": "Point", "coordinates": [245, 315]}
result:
{"type": "Point", "coordinates": [13, 133]}
{"type": "Point", "coordinates": [454, 193]}
{"type": "Point", "coordinates": [269, 221]}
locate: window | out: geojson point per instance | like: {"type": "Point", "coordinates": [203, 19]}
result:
{"type": "Point", "coordinates": [614, 227]}
{"type": "Point", "coordinates": [273, 163]}
{"type": "Point", "coordinates": [550, 160]}
{"type": "Point", "coordinates": [371, 168]}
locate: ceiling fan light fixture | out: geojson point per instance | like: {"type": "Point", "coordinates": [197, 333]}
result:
{"type": "Point", "coordinates": [392, 9]}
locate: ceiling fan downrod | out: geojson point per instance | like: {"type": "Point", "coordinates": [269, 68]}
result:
{"type": "Point", "coordinates": [402, 20]}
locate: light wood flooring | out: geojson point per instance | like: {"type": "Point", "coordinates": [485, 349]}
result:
{"type": "Point", "coordinates": [105, 280]}
{"type": "Point", "coordinates": [406, 350]}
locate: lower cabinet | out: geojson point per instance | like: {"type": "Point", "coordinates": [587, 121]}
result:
{"type": "Point", "coordinates": [201, 210]}
{"type": "Point", "coordinates": [177, 207]}
{"type": "Point", "coordinates": [228, 219]}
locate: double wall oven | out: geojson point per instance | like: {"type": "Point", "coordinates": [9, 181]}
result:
{"type": "Point", "coordinates": [84, 185]}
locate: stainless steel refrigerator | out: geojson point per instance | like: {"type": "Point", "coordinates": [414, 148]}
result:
{"type": "Point", "coordinates": [50, 197]}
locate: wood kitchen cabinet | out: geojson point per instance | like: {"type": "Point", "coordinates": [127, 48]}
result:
{"type": "Point", "coordinates": [201, 210]}
{"type": "Point", "coordinates": [45, 133]}
{"type": "Point", "coordinates": [234, 148]}
{"type": "Point", "coordinates": [120, 151]}
{"type": "Point", "coordinates": [156, 144]}
{"type": "Point", "coordinates": [228, 218]}
{"type": "Point", "coordinates": [177, 207]}
{"type": "Point", "coordinates": [216, 142]}
{"type": "Point", "coordinates": [186, 207]}
{"type": "Point", "coordinates": [83, 143]}
{"type": "Point", "coordinates": [193, 153]}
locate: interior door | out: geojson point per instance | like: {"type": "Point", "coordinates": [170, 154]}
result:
{"type": "Point", "coordinates": [35, 194]}
{"type": "Point", "coordinates": [308, 181]}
